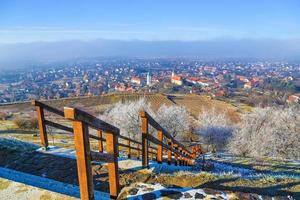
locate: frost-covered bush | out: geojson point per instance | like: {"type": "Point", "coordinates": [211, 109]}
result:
{"type": "Point", "coordinates": [175, 119]}
{"type": "Point", "coordinates": [268, 132]}
{"type": "Point", "coordinates": [126, 116]}
{"type": "Point", "coordinates": [215, 128]}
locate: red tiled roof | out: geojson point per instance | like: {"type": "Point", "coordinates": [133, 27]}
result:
{"type": "Point", "coordinates": [177, 78]}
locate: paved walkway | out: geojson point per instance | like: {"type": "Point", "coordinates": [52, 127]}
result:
{"type": "Point", "coordinates": [18, 191]}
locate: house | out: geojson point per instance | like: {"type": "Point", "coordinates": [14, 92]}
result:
{"type": "Point", "coordinates": [243, 78]}
{"type": "Point", "coordinates": [176, 79]}
{"type": "Point", "coordinates": [295, 98]}
{"type": "Point", "coordinates": [136, 80]}
{"type": "Point", "coordinates": [120, 87]}
{"type": "Point", "coordinates": [248, 85]}
{"type": "Point", "coordinates": [203, 82]}
{"type": "Point", "coordinates": [192, 80]}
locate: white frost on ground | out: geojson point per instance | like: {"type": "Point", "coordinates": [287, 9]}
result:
{"type": "Point", "coordinates": [13, 143]}
{"type": "Point", "coordinates": [45, 183]}
{"type": "Point", "coordinates": [58, 151]}
{"type": "Point", "coordinates": [222, 166]}
{"type": "Point", "coordinates": [157, 189]}
{"type": "Point", "coordinates": [124, 162]}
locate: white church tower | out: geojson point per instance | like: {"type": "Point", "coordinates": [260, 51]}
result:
{"type": "Point", "coordinates": [148, 79]}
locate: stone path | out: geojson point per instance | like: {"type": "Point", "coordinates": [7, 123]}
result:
{"type": "Point", "coordinates": [18, 191]}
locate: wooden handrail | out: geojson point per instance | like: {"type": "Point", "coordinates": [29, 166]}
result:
{"type": "Point", "coordinates": [131, 140]}
{"type": "Point", "coordinates": [174, 147]}
{"type": "Point", "coordinates": [156, 141]}
{"type": "Point", "coordinates": [157, 126]}
{"type": "Point", "coordinates": [84, 155]}
{"type": "Point", "coordinates": [46, 107]}
{"type": "Point", "coordinates": [58, 126]}
{"type": "Point", "coordinates": [81, 123]}
{"type": "Point", "coordinates": [79, 115]}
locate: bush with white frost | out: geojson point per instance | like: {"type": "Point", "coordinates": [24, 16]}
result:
{"type": "Point", "coordinates": [215, 129]}
{"type": "Point", "coordinates": [126, 116]}
{"type": "Point", "coordinates": [268, 132]}
{"type": "Point", "coordinates": [175, 119]}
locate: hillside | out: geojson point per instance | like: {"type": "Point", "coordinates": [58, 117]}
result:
{"type": "Point", "coordinates": [97, 104]}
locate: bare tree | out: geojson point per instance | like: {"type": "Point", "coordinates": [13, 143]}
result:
{"type": "Point", "coordinates": [268, 132]}
{"type": "Point", "coordinates": [175, 119]}
{"type": "Point", "coordinates": [215, 129]}
{"type": "Point", "coordinates": [126, 116]}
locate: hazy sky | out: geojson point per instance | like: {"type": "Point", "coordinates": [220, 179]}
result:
{"type": "Point", "coordinates": [52, 20]}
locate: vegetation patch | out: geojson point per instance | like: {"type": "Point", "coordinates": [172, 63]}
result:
{"type": "Point", "coordinates": [184, 179]}
{"type": "Point", "coordinates": [4, 184]}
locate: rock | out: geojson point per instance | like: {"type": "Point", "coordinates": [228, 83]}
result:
{"type": "Point", "coordinates": [254, 197]}
{"type": "Point", "coordinates": [199, 196]}
{"type": "Point", "coordinates": [211, 191]}
{"type": "Point", "coordinates": [133, 191]}
{"type": "Point", "coordinates": [187, 195]}
{"type": "Point", "coordinates": [148, 189]}
{"type": "Point", "coordinates": [172, 186]}
{"type": "Point", "coordinates": [172, 194]}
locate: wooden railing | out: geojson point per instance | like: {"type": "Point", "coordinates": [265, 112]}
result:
{"type": "Point", "coordinates": [81, 123]}
{"type": "Point", "coordinates": [164, 141]}
{"type": "Point", "coordinates": [149, 147]}
{"type": "Point", "coordinates": [43, 122]}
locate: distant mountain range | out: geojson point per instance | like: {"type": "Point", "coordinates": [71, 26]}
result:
{"type": "Point", "coordinates": [24, 54]}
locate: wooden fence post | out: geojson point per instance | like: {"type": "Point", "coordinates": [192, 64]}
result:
{"type": "Point", "coordinates": [42, 126]}
{"type": "Point", "coordinates": [138, 152]}
{"type": "Point", "coordinates": [129, 149]}
{"type": "Point", "coordinates": [82, 146]}
{"type": "Point", "coordinates": [180, 157]}
{"type": "Point", "coordinates": [144, 129]}
{"type": "Point", "coordinates": [159, 147]}
{"type": "Point", "coordinates": [176, 155]}
{"type": "Point", "coordinates": [169, 152]}
{"type": "Point", "coordinates": [185, 159]}
{"type": "Point", "coordinates": [100, 142]}
{"type": "Point", "coordinates": [113, 172]}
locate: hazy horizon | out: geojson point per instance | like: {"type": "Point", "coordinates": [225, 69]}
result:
{"type": "Point", "coordinates": [23, 53]}
{"type": "Point", "coordinates": [38, 31]}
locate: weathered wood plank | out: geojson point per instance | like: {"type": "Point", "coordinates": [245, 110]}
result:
{"type": "Point", "coordinates": [144, 129]}
{"type": "Point", "coordinates": [160, 148]}
{"type": "Point", "coordinates": [59, 126]}
{"type": "Point", "coordinates": [47, 107]}
{"type": "Point", "coordinates": [113, 171]}
{"type": "Point", "coordinates": [42, 126]}
{"type": "Point", "coordinates": [100, 142]}
{"type": "Point", "coordinates": [83, 155]}
{"type": "Point", "coordinates": [76, 114]}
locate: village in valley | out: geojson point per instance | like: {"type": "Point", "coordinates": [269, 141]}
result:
{"type": "Point", "coordinates": [265, 82]}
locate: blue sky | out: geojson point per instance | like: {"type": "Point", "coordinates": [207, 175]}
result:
{"type": "Point", "coordinates": [55, 20]}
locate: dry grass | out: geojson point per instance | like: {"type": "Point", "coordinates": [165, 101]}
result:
{"type": "Point", "coordinates": [4, 184]}
{"type": "Point", "coordinates": [7, 125]}
{"type": "Point", "coordinates": [182, 179]}
{"type": "Point", "coordinates": [96, 104]}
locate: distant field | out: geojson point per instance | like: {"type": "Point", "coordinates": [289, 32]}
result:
{"type": "Point", "coordinates": [97, 104]}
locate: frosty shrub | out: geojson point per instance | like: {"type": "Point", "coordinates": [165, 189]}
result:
{"type": "Point", "coordinates": [268, 132]}
{"type": "Point", "coordinates": [175, 119]}
{"type": "Point", "coordinates": [215, 129]}
{"type": "Point", "coordinates": [126, 116]}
